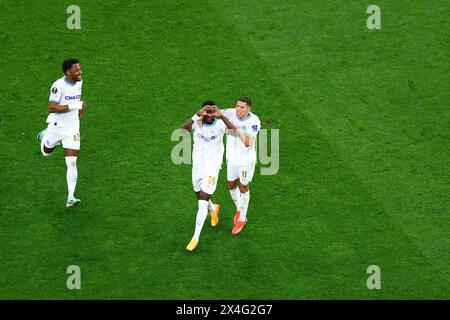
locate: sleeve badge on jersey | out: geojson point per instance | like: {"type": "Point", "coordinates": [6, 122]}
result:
{"type": "Point", "coordinates": [255, 127]}
{"type": "Point", "coordinates": [54, 90]}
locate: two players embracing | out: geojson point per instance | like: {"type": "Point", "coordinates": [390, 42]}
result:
{"type": "Point", "coordinates": [209, 125]}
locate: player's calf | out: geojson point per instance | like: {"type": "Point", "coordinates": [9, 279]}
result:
{"type": "Point", "coordinates": [71, 176]}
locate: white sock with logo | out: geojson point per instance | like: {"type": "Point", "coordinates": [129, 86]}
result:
{"type": "Point", "coordinates": [236, 196]}
{"type": "Point", "coordinates": [201, 217]}
{"type": "Point", "coordinates": [244, 207]}
{"type": "Point", "coordinates": [72, 175]}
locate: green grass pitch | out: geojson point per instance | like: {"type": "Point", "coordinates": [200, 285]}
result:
{"type": "Point", "coordinates": [364, 150]}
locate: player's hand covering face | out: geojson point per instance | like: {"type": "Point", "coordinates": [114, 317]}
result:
{"type": "Point", "coordinates": [209, 113]}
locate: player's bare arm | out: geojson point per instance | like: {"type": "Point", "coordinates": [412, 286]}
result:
{"type": "Point", "coordinates": [189, 122]}
{"type": "Point", "coordinates": [53, 107]}
{"type": "Point", "coordinates": [228, 123]}
{"type": "Point", "coordinates": [82, 110]}
{"type": "Point", "coordinates": [246, 140]}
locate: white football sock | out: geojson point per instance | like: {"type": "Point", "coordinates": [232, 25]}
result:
{"type": "Point", "coordinates": [72, 175]}
{"type": "Point", "coordinates": [236, 196]}
{"type": "Point", "coordinates": [211, 206]}
{"type": "Point", "coordinates": [201, 217]}
{"type": "Point", "coordinates": [245, 197]}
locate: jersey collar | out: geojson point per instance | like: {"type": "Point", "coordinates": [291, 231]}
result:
{"type": "Point", "coordinates": [210, 125]}
{"type": "Point", "coordinates": [244, 119]}
{"type": "Point", "coordinates": [67, 81]}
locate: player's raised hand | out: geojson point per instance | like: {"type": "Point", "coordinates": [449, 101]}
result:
{"type": "Point", "coordinates": [202, 111]}
{"type": "Point", "coordinates": [217, 112]}
{"type": "Point", "coordinates": [209, 111]}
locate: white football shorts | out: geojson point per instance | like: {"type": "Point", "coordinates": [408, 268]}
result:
{"type": "Point", "coordinates": [68, 137]}
{"type": "Point", "coordinates": [243, 173]}
{"type": "Point", "coordinates": [204, 180]}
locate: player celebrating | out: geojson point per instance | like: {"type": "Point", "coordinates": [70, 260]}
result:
{"type": "Point", "coordinates": [241, 157]}
{"type": "Point", "coordinates": [65, 109]}
{"type": "Point", "coordinates": [207, 159]}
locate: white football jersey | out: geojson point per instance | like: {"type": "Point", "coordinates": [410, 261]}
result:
{"type": "Point", "coordinates": [208, 144]}
{"type": "Point", "coordinates": [237, 152]}
{"type": "Point", "coordinates": [63, 92]}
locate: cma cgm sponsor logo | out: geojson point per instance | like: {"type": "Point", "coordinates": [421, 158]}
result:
{"type": "Point", "coordinates": [73, 97]}
{"type": "Point", "coordinates": [207, 139]}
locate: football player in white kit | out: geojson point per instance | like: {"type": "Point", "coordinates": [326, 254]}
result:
{"type": "Point", "coordinates": [65, 109]}
{"type": "Point", "coordinates": [207, 157]}
{"type": "Point", "coordinates": [241, 157]}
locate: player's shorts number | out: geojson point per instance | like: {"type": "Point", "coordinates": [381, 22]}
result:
{"type": "Point", "coordinates": [211, 180]}
{"type": "Point", "coordinates": [76, 137]}
{"type": "Point", "coordinates": [244, 174]}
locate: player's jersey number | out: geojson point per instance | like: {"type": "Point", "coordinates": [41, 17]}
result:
{"type": "Point", "coordinates": [211, 180]}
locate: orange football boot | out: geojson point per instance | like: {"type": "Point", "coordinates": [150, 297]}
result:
{"type": "Point", "coordinates": [236, 216]}
{"type": "Point", "coordinates": [238, 227]}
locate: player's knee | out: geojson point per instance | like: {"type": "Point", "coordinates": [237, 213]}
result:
{"type": "Point", "coordinates": [244, 188]}
{"type": "Point", "coordinates": [232, 184]}
{"type": "Point", "coordinates": [203, 196]}
{"type": "Point", "coordinates": [46, 151]}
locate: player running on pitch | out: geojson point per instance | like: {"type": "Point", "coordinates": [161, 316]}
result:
{"type": "Point", "coordinates": [241, 157]}
{"type": "Point", "coordinates": [65, 109]}
{"type": "Point", "coordinates": [207, 158]}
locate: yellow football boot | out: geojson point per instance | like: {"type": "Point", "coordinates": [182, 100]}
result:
{"type": "Point", "coordinates": [215, 216]}
{"type": "Point", "coordinates": [192, 245]}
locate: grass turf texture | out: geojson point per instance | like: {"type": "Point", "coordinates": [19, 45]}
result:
{"type": "Point", "coordinates": [364, 134]}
